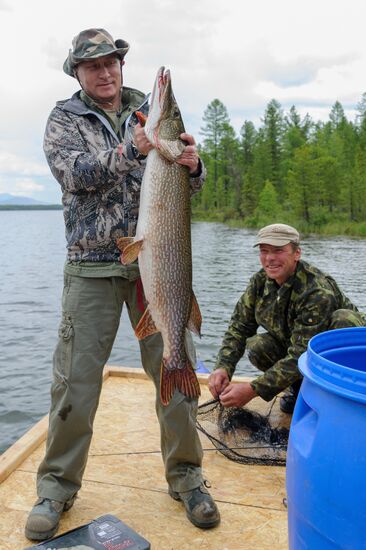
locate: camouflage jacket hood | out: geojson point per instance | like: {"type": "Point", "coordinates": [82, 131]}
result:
{"type": "Point", "coordinates": [291, 313]}
{"type": "Point", "coordinates": [99, 174]}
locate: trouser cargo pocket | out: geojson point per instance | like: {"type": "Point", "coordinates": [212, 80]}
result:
{"type": "Point", "coordinates": [63, 354]}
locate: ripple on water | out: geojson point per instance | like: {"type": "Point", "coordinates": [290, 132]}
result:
{"type": "Point", "coordinates": [223, 261]}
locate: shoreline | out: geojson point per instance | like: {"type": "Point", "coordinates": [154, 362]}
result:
{"type": "Point", "coordinates": [30, 207]}
{"type": "Point", "coordinates": [341, 228]}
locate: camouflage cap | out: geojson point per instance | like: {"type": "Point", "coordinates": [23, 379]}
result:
{"type": "Point", "coordinates": [91, 44]}
{"type": "Point", "coordinates": [277, 234]}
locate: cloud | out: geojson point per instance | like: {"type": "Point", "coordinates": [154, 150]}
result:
{"type": "Point", "coordinates": [304, 69]}
{"type": "Point", "coordinates": [330, 84]}
{"type": "Point", "coordinates": [20, 186]}
{"type": "Point", "coordinates": [5, 5]}
{"type": "Point", "coordinates": [54, 51]}
{"type": "Point", "coordinates": [15, 164]}
{"type": "Point", "coordinates": [242, 53]}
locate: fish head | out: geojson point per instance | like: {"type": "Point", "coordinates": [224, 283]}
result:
{"type": "Point", "coordinates": [164, 123]}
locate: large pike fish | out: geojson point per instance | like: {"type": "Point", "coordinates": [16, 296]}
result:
{"type": "Point", "coordinates": [163, 243]}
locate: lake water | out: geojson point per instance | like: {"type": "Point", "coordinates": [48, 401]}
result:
{"type": "Point", "coordinates": [32, 258]}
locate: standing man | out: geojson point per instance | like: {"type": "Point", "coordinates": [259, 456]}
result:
{"type": "Point", "coordinates": [96, 151]}
{"type": "Point", "coordinates": [292, 301]}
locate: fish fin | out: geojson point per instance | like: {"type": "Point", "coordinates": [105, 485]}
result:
{"type": "Point", "coordinates": [131, 251]}
{"type": "Point", "coordinates": [146, 326]}
{"type": "Point", "coordinates": [141, 118]}
{"type": "Point", "coordinates": [167, 383]}
{"type": "Point", "coordinates": [122, 242]}
{"type": "Point", "coordinates": [195, 318]}
{"type": "Point", "coordinates": [185, 380]}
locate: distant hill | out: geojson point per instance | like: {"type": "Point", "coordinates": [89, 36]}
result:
{"type": "Point", "coordinates": [7, 199]}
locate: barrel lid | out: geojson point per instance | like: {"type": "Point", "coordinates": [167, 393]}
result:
{"type": "Point", "coordinates": [336, 361]}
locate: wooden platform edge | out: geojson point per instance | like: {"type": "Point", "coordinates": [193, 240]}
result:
{"type": "Point", "coordinates": [13, 457]}
{"type": "Point", "coordinates": [133, 372]}
{"type": "Point", "coordinates": [22, 448]}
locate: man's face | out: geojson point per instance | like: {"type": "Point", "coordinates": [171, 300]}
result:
{"type": "Point", "coordinates": [279, 262]}
{"type": "Point", "coordinates": [101, 78]}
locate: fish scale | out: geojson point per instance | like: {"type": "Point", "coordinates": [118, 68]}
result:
{"type": "Point", "coordinates": [165, 260]}
{"type": "Point", "coordinates": [163, 243]}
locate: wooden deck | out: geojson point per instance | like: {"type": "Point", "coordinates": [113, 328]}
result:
{"type": "Point", "coordinates": [125, 477]}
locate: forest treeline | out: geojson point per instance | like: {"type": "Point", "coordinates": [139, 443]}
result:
{"type": "Point", "coordinates": [290, 169]}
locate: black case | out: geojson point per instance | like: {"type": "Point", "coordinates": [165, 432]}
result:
{"type": "Point", "coordinates": [106, 532]}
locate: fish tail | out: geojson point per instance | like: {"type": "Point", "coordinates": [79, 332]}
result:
{"type": "Point", "coordinates": [184, 380]}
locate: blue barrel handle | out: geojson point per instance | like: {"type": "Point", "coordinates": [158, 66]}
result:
{"type": "Point", "coordinates": [303, 426]}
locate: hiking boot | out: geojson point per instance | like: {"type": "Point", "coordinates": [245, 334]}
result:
{"type": "Point", "coordinates": [44, 518]}
{"type": "Point", "coordinates": [288, 400]}
{"type": "Point", "coordinates": [200, 507]}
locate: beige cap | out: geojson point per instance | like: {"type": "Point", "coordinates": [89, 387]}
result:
{"type": "Point", "coordinates": [277, 234]}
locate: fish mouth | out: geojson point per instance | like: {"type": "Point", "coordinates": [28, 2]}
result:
{"type": "Point", "coordinates": [164, 124]}
{"type": "Point", "coordinates": [161, 81]}
{"type": "Point", "coordinates": [155, 104]}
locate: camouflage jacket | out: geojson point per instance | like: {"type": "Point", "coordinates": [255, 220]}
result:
{"type": "Point", "coordinates": [291, 313]}
{"type": "Point", "coordinates": [100, 177]}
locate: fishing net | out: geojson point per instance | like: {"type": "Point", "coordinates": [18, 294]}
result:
{"type": "Point", "coordinates": [243, 434]}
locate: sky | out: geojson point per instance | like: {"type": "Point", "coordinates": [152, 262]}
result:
{"type": "Point", "coordinates": [308, 54]}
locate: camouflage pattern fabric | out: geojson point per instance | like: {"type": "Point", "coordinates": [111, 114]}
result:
{"type": "Point", "coordinates": [99, 174]}
{"type": "Point", "coordinates": [309, 302]}
{"type": "Point", "coordinates": [264, 351]}
{"type": "Point", "coordinates": [91, 44]}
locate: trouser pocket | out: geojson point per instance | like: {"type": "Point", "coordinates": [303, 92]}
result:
{"type": "Point", "coordinates": [63, 353]}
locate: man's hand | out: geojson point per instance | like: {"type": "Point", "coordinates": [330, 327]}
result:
{"type": "Point", "coordinates": [217, 382]}
{"type": "Point", "coordinates": [142, 144]}
{"type": "Point", "coordinates": [237, 395]}
{"type": "Point", "coordinates": [189, 157]}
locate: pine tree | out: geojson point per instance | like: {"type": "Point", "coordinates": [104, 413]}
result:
{"type": "Point", "coordinates": [289, 168]}
{"type": "Point", "coordinates": [268, 209]}
{"type": "Point", "coordinates": [301, 184]}
{"type": "Point", "coordinates": [273, 132]}
{"type": "Point", "coordinates": [248, 199]}
{"type": "Point", "coordinates": [216, 120]}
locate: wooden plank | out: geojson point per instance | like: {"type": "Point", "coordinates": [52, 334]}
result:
{"type": "Point", "coordinates": [25, 445]}
{"type": "Point", "coordinates": [153, 514]}
{"type": "Point", "coordinates": [126, 372]}
{"type": "Point", "coordinates": [125, 477]}
{"type": "Point", "coordinates": [112, 370]}
{"type": "Point", "coordinates": [22, 448]}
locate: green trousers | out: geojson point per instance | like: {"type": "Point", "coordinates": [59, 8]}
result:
{"type": "Point", "coordinates": [91, 314]}
{"type": "Point", "coordinates": [264, 350]}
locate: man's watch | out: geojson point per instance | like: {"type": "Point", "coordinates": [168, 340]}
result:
{"type": "Point", "coordinates": [198, 171]}
{"type": "Point", "coordinates": [133, 153]}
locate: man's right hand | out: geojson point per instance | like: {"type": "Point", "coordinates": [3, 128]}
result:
{"type": "Point", "coordinates": [142, 144]}
{"type": "Point", "coordinates": [218, 381]}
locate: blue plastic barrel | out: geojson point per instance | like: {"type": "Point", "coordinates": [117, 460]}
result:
{"type": "Point", "coordinates": [326, 455]}
{"type": "Point", "coordinates": [200, 367]}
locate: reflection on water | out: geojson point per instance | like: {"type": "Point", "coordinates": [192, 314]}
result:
{"type": "Point", "coordinates": [31, 284]}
